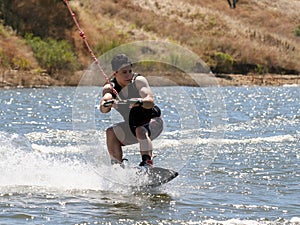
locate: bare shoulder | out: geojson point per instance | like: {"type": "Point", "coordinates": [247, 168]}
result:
{"type": "Point", "coordinates": [141, 81]}
{"type": "Point", "coordinates": [144, 88]}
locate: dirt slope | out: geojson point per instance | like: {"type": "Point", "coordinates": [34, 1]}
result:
{"type": "Point", "coordinates": [256, 37]}
{"type": "Point", "coordinates": [255, 33]}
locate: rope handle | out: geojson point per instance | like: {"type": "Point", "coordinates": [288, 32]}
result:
{"type": "Point", "coordinates": [123, 102]}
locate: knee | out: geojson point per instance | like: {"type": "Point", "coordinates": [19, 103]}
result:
{"type": "Point", "coordinates": [141, 133]}
{"type": "Point", "coordinates": [115, 133]}
{"type": "Point", "coordinates": [110, 132]}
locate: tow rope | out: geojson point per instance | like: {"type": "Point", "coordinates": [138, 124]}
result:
{"type": "Point", "coordinates": [82, 35]}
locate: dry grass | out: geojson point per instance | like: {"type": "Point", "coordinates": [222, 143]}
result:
{"type": "Point", "coordinates": [14, 52]}
{"type": "Point", "coordinates": [259, 33]}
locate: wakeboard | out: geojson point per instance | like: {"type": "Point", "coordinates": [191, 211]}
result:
{"type": "Point", "coordinates": [154, 177]}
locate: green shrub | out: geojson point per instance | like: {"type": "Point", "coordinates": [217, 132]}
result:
{"type": "Point", "coordinates": [297, 31]}
{"type": "Point", "coordinates": [261, 69]}
{"type": "Point", "coordinates": [21, 63]}
{"type": "Point", "coordinates": [224, 61]}
{"type": "Point", "coordinates": [106, 45]}
{"type": "Point", "coordinates": [4, 60]}
{"type": "Point", "coordinates": [53, 55]}
{"type": "Point", "coordinates": [3, 31]}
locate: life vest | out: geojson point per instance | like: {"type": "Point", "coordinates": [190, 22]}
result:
{"type": "Point", "coordinates": [136, 116]}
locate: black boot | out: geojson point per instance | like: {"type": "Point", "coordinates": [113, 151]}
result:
{"type": "Point", "coordinates": [146, 161]}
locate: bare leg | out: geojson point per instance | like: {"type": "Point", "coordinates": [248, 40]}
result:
{"type": "Point", "coordinates": [144, 141]}
{"type": "Point", "coordinates": [114, 145]}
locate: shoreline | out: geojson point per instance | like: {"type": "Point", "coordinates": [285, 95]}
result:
{"type": "Point", "coordinates": [31, 79]}
{"type": "Point", "coordinates": [258, 80]}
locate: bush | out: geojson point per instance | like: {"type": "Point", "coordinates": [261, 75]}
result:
{"type": "Point", "coordinates": [4, 60]}
{"type": "Point", "coordinates": [224, 62]}
{"type": "Point", "coordinates": [20, 63]}
{"type": "Point", "coordinates": [53, 55]}
{"type": "Point", "coordinates": [297, 31]}
{"type": "Point", "coordinates": [3, 31]}
{"type": "Point", "coordinates": [106, 45]}
{"type": "Point", "coordinates": [261, 69]}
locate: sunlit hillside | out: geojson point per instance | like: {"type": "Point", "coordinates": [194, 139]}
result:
{"type": "Point", "coordinates": [259, 36]}
{"type": "Point", "coordinates": [256, 33]}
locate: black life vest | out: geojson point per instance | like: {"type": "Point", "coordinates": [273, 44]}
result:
{"type": "Point", "coordinates": [136, 116]}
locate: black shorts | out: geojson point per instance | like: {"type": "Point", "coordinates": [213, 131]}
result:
{"type": "Point", "coordinates": [127, 137]}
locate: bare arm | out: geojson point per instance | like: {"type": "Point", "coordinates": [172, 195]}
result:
{"type": "Point", "coordinates": [106, 96]}
{"type": "Point", "coordinates": [145, 92]}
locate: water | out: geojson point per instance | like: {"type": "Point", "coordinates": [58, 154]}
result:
{"type": "Point", "coordinates": [236, 149]}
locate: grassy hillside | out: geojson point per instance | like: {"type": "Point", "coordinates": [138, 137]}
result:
{"type": "Point", "coordinates": [259, 36]}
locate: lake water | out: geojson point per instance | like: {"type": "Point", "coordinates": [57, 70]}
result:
{"type": "Point", "coordinates": [236, 150]}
